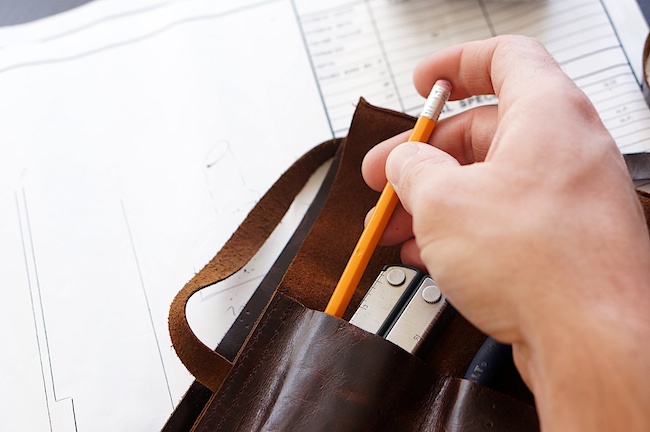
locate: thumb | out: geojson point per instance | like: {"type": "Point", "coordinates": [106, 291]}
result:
{"type": "Point", "coordinates": [411, 166]}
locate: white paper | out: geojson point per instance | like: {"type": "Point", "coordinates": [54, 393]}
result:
{"type": "Point", "coordinates": [131, 151]}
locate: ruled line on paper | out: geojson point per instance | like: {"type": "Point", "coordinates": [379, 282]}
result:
{"type": "Point", "coordinates": [369, 49]}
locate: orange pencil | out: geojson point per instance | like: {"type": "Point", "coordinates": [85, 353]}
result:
{"type": "Point", "coordinates": [385, 206]}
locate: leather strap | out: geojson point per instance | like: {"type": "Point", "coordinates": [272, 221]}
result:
{"type": "Point", "coordinates": [208, 366]}
{"type": "Point", "coordinates": [197, 396]}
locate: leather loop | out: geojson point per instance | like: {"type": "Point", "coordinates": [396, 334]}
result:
{"type": "Point", "coordinates": [207, 366]}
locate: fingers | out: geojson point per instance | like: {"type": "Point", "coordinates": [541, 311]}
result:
{"type": "Point", "coordinates": [412, 167]}
{"type": "Point", "coordinates": [404, 159]}
{"type": "Point", "coordinates": [410, 254]}
{"type": "Point", "coordinates": [372, 167]}
{"type": "Point", "coordinates": [399, 228]}
{"type": "Point", "coordinates": [540, 108]}
{"type": "Point", "coordinates": [466, 137]}
{"type": "Point", "coordinates": [506, 65]}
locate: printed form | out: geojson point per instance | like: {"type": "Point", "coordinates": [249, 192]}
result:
{"type": "Point", "coordinates": [136, 136]}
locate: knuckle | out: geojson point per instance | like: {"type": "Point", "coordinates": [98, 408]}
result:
{"type": "Point", "coordinates": [517, 49]}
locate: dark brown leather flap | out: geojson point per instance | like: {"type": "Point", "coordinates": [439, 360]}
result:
{"type": "Point", "coordinates": [470, 407]}
{"type": "Point", "coordinates": [305, 370]}
{"type": "Point", "coordinates": [313, 274]}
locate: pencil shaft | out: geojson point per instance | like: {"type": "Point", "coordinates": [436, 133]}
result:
{"type": "Point", "coordinates": [384, 209]}
{"type": "Point", "coordinates": [362, 252]}
{"type": "Point", "coordinates": [371, 234]}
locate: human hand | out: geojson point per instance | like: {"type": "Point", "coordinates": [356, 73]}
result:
{"type": "Point", "coordinates": [525, 216]}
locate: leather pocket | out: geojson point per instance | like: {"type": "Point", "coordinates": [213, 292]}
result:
{"type": "Point", "coordinates": [304, 370]}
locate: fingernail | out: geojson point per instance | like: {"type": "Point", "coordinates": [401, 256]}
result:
{"type": "Point", "coordinates": [397, 160]}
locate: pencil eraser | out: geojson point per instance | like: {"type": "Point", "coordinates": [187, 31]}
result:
{"type": "Point", "coordinates": [443, 83]}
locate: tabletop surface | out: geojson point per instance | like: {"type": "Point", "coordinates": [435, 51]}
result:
{"type": "Point", "coordinates": [20, 11]}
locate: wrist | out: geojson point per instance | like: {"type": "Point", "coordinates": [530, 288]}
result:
{"type": "Point", "coordinates": [587, 369]}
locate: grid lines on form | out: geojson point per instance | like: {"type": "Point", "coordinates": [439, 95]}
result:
{"type": "Point", "coordinates": [412, 30]}
{"type": "Point", "coordinates": [348, 61]}
{"type": "Point", "coordinates": [369, 49]}
{"type": "Point", "coordinates": [581, 38]}
{"type": "Point", "coordinates": [615, 92]}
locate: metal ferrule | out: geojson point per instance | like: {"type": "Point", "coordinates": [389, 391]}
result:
{"type": "Point", "coordinates": [435, 102]}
